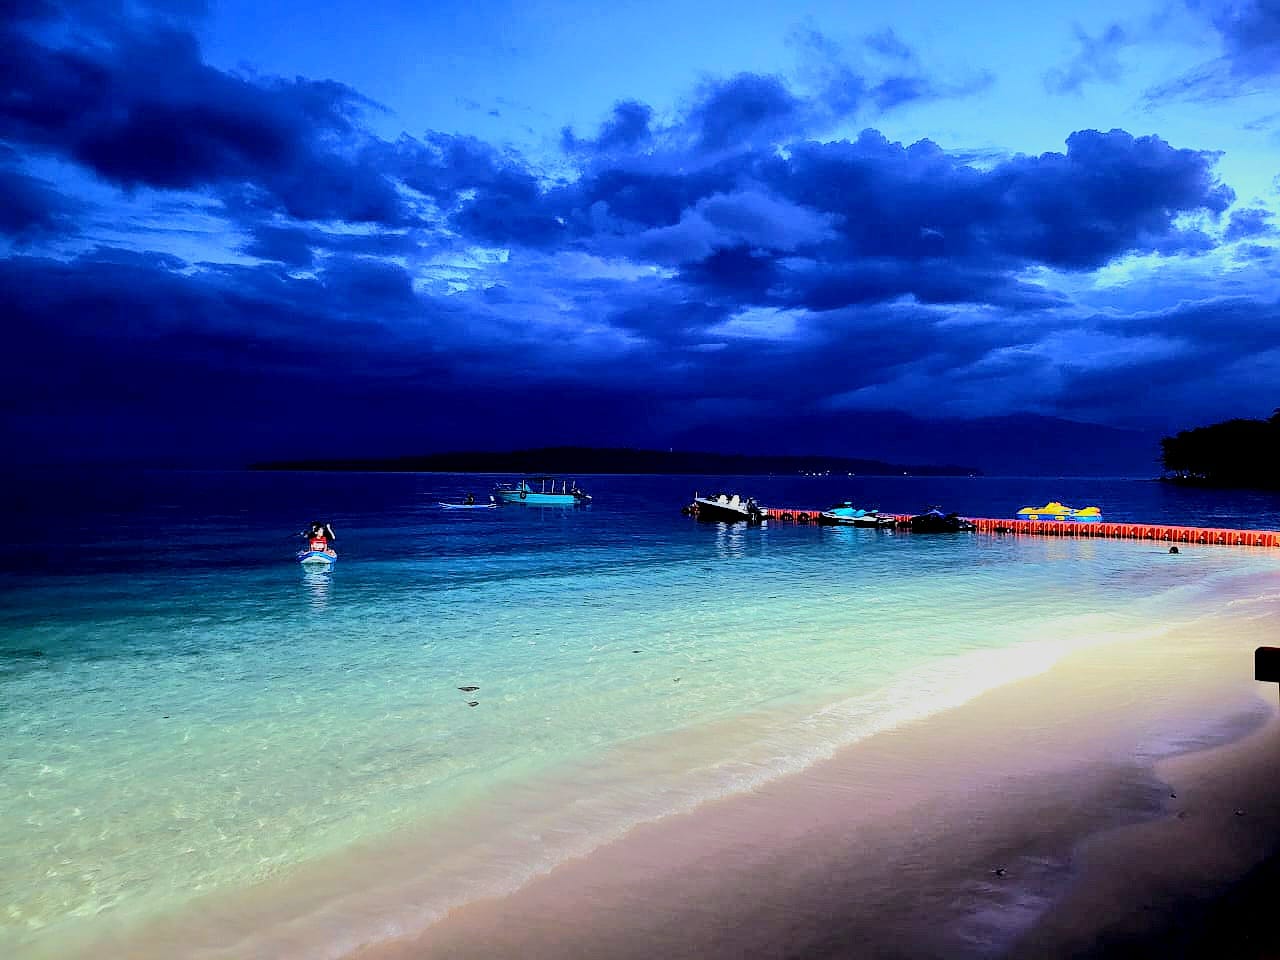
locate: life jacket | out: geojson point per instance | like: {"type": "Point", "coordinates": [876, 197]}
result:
{"type": "Point", "coordinates": [319, 544]}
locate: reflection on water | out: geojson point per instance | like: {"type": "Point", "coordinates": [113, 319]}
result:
{"type": "Point", "coordinates": [318, 585]}
{"type": "Point", "coordinates": [731, 540]}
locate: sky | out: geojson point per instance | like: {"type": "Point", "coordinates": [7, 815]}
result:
{"type": "Point", "coordinates": [239, 230]}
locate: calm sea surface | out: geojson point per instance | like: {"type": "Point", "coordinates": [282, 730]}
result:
{"type": "Point", "coordinates": [186, 713]}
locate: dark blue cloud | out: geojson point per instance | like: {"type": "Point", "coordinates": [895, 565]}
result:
{"type": "Point", "coordinates": [493, 198]}
{"type": "Point", "coordinates": [137, 105]}
{"type": "Point", "coordinates": [287, 245]}
{"type": "Point", "coordinates": [628, 128]}
{"type": "Point", "coordinates": [1249, 31]}
{"type": "Point", "coordinates": [1210, 362]}
{"type": "Point", "coordinates": [663, 271]}
{"type": "Point", "coordinates": [747, 110]}
{"type": "Point", "coordinates": [297, 245]}
{"type": "Point", "coordinates": [1248, 223]}
{"type": "Point", "coordinates": [32, 210]}
{"type": "Point", "coordinates": [871, 212]}
{"type": "Point", "coordinates": [1219, 330]}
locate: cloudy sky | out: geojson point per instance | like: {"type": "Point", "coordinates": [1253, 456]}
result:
{"type": "Point", "coordinates": [233, 230]}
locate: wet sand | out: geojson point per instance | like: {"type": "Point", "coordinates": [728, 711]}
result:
{"type": "Point", "coordinates": [1091, 810]}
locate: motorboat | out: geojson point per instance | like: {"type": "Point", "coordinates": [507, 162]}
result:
{"type": "Point", "coordinates": [318, 554]}
{"type": "Point", "coordinates": [723, 508]}
{"type": "Point", "coordinates": [1053, 510]}
{"type": "Point", "coordinates": [845, 514]}
{"type": "Point", "coordinates": [935, 521]}
{"type": "Point", "coordinates": [542, 491]}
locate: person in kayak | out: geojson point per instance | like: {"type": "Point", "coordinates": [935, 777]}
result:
{"type": "Point", "coordinates": [471, 499]}
{"type": "Point", "coordinates": [320, 530]}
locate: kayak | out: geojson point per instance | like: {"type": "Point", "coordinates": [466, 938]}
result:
{"type": "Point", "coordinates": [317, 558]}
{"type": "Point", "coordinates": [467, 506]}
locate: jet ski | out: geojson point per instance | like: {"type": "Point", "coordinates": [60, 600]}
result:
{"type": "Point", "coordinates": [845, 514]}
{"type": "Point", "coordinates": [935, 521]}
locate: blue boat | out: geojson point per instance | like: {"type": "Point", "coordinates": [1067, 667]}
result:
{"type": "Point", "coordinates": [542, 491]}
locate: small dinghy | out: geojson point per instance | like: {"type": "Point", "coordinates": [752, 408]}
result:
{"type": "Point", "coordinates": [467, 506]}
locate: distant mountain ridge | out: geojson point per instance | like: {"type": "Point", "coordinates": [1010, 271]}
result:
{"type": "Point", "coordinates": [586, 460]}
{"type": "Point", "coordinates": [1021, 444]}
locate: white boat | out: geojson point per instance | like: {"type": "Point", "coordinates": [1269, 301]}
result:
{"type": "Point", "coordinates": [727, 509]}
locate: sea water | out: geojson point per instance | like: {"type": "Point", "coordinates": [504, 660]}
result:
{"type": "Point", "coordinates": [188, 715]}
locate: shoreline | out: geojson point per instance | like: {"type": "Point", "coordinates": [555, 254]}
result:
{"type": "Point", "coordinates": [918, 788]}
{"type": "Point", "coordinates": [989, 852]}
{"type": "Point", "coordinates": [1210, 882]}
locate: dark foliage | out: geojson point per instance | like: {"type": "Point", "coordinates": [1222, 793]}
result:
{"type": "Point", "coordinates": [1234, 453]}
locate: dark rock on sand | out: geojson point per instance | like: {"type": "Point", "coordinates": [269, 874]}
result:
{"type": "Point", "coordinates": [468, 689]}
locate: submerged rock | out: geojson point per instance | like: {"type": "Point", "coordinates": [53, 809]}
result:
{"type": "Point", "coordinates": [468, 689]}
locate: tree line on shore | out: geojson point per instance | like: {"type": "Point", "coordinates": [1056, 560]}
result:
{"type": "Point", "coordinates": [1234, 453]}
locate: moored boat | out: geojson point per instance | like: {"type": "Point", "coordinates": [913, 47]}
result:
{"type": "Point", "coordinates": [546, 491]}
{"type": "Point", "coordinates": [1053, 510]}
{"type": "Point", "coordinates": [727, 509]}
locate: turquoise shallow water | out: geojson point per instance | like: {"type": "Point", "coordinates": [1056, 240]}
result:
{"type": "Point", "coordinates": [187, 713]}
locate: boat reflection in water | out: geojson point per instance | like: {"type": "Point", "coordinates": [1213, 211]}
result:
{"type": "Point", "coordinates": [731, 541]}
